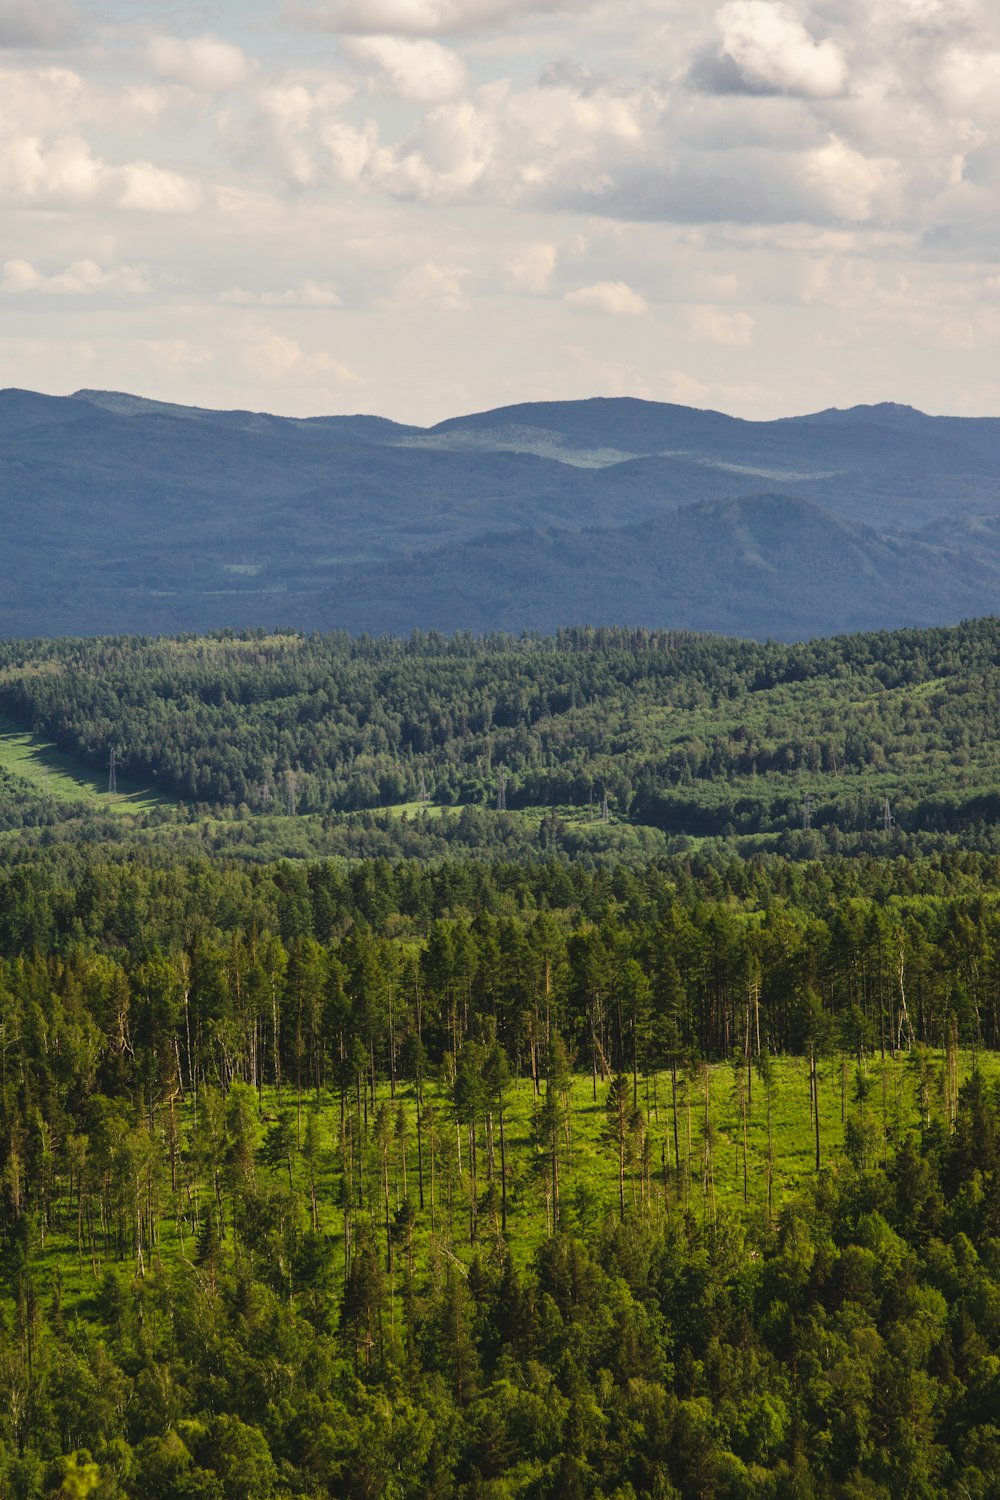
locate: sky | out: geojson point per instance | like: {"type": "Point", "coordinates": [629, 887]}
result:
{"type": "Point", "coordinates": [426, 207]}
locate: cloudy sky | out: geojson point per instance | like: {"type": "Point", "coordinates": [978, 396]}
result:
{"type": "Point", "coordinates": [424, 207]}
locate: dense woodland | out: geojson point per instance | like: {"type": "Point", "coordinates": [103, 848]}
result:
{"type": "Point", "coordinates": [301, 1196]}
{"type": "Point", "coordinates": [690, 736]}
{"type": "Point", "coordinates": [640, 1139]}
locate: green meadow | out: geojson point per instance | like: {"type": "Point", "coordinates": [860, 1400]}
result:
{"type": "Point", "coordinates": [48, 771]}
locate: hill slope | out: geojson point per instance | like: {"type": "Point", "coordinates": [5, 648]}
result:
{"type": "Point", "coordinates": [765, 566]}
{"type": "Point", "coordinates": [121, 514]}
{"type": "Point", "coordinates": [688, 734]}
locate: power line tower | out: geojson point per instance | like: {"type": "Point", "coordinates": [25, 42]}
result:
{"type": "Point", "coordinates": [501, 789]}
{"type": "Point", "coordinates": [590, 813]}
{"type": "Point", "coordinates": [112, 774]}
{"type": "Point", "coordinates": [290, 793]}
{"type": "Point", "coordinates": [423, 788]}
{"type": "Point", "coordinates": [807, 810]}
{"type": "Point", "coordinates": [605, 813]}
{"type": "Point", "coordinates": [887, 817]}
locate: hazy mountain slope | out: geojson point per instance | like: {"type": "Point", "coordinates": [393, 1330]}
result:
{"type": "Point", "coordinates": [767, 566]}
{"type": "Point", "coordinates": [978, 536]}
{"type": "Point", "coordinates": [574, 462]}
{"type": "Point", "coordinates": [118, 513]}
{"type": "Point", "coordinates": [887, 464]}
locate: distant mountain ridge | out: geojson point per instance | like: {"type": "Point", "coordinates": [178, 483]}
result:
{"type": "Point", "coordinates": [120, 513]}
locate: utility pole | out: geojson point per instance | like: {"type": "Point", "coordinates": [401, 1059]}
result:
{"type": "Point", "coordinates": [501, 789]}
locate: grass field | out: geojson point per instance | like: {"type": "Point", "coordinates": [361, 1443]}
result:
{"type": "Point", "coordinates": [414, 809]}
{"type": "Point", "coordinates": [531, 814]}
{"type": "Point", "coordinates": [708, 1186]}
{"type": "Point", "coordinates": [48, 770]}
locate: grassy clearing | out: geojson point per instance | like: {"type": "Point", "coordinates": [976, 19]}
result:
{"type": "Point", "coordinates": [48, 771]}
{"type": "Point", "coordinates": [693, 1170]}
{"type": "Point", "coordinates": [415, 809]}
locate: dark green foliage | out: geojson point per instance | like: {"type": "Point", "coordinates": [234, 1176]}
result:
{"type": "Point", "coordinates": [226, 1279]}
{"type": "Point", "coordinates": [687, 737]}
{"type": "Point", "coordinates": [502, 1178]}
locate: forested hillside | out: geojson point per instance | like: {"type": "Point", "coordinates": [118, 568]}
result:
{"type": "Point", "coordinates": [685, 736]}
{"type": "Point", "coordinates": [630, 1127]}
{"type": "Point", "coordinates": [493, 1181]}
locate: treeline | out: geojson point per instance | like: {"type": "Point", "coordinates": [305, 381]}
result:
{"type": "Point", "coordinates": [134, 980]}
{"type": "Point", "coordinates": [693, 735]}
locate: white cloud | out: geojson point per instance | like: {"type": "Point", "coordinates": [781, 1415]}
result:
{"type": "Point", "coordinates": [350, 149]}
{"type": "Point", "coordinates": [136, 109]}
{"type": "Point", "coordinates": [609, 296]}
{"type": "Point", "coordinates": [177, 356]}
{"type": "Point", "coordinates": [772, 49]}
{"type": "Point", "coordinates": [713, 325]}
{"type": "Point", "coordinates": [971, 80]}
{"type": "Point", "coordinates": [448, 157]}
{"type": "Point", "coordinates": [153, 189]}
{"type": "Point", "coordinates": [64, 171]}
{"type": "Point", "coordinates": [579, 110]}
{"type": "Point", "coordinates": [325, 364]}
{"type": "Point", "coordinates": [532, 269]}
{"type": "Point", "coordinates": [49, 99]}
{"type": "Point", "coordinates": [286, 113]}
{"type": "Point", "coordinates": [419, 17]}
{"type": "Point", "coordinates": [687, 389]}
{"type": "Point", "coordinates": [286, 127]}
{"type": "Point", "coordinates": [420, 69]}
{"type": "Point", "coordinates": [432, 284]}
{"type": "Point", "coordinates": [201, 62]}
{"type": "Point", "coordinates": [849, 183]}
{"type": "Point", "coordinates": [309, 294]}
{"type": "Point", "coordinates": [544, 142]}
{"type": "Point", "coordinates": [275, 357]}
{"type": "Point", "coordinates": [61, 101]}
{"type": "Point", "coordinates": [82, 278]}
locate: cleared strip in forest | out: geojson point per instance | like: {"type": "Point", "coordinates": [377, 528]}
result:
{"type": "Point", "coordinates": [50, 772]}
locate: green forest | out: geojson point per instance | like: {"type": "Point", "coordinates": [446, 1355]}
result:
{"type": "Point", "coordinates": [610, 743]}
{"type": "Point", "coordinates": [391, 1179]}
{"type": "Point", "coordinates": [500, 1068]}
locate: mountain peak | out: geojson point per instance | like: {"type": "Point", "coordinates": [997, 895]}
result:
{"type": "Point", "coordinates": [882, 413]}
